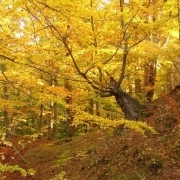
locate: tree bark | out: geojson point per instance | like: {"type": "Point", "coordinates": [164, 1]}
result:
{"type": "Point", "coordinates": [52, 126]}
{"type": "Point", "coordinates": [149, 80]}
{"type": "Point", "coordinates": [55, 118]}
{"type": "Point", "coordinates": [69, 110]}
{"type": "Point", "coordinates": [6, 112]}
{"type": "Point", "coordinates": [130, 106]}
{"type": "Point", "coordinates": [41, 118]}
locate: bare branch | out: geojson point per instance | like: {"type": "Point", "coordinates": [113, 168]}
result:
{"type": "Point", "coordinates": [138, 42]}
{"type": "Point", "coordinates": [53, 9]}
{"type": "Point", "coordinates": [8, 58]}
{"type": "Point", "coordinates": [109, 59]}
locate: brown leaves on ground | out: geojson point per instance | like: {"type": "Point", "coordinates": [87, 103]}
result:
{"type": "Point", "coordinates": [108, 155]}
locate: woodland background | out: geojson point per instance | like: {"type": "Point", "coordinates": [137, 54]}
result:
{"type": "Point", "coordinates": [72, 67]}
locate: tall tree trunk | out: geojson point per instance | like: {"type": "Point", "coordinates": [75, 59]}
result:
{"type": "Point", "coordinates": [6, 113]}
{"type": "Point", "coordinates": [138, 88]}
{"type": "Point", "coordinates": [149, 80]}
{"type": "Point", "coordinates": [55, 119]}
{"type": "Point", "coordinates": [69, 110]}
{"type": "Point", "coordinates": [52, 126]}
{"type": "Point", "coordinates": [41, 118]}
{"type": "Point", "coordinates": [91, 106]}
{"type": "Point", "coordinates": [175, 74]}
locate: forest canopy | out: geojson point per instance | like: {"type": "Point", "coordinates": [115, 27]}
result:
{"type": "Point", "coordinates": [100, 79]}
{"type": "Point", "coordinates": [83, 62]}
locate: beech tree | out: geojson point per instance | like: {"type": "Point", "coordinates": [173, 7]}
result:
{"type": "Point", "coordinates": [101, 37]}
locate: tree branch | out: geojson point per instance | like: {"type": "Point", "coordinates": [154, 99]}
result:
{"type": "Point", "coordinates": [120, 42]}
{"type": "Point", "coordinates": [64, 41]}
{"type": "Point", "coordinates": [6, 78]}
{"type": "Point", "coordinates": [123, 69]}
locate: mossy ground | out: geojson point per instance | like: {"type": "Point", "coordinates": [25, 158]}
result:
{"type": "Point", "coordinates": [103, 156]}
{"type": "Point", "coordinates": [108, 155]}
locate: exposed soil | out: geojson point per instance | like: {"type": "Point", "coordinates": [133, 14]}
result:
{"type": "Point", "coordinates": [108, 155]}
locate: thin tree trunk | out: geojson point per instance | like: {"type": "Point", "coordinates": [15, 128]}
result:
{"type": "Point", "coordinates": [41, 119]}
{"type": "Point", "coordinates": [70, 113]}
{"type": "Point", "coordinates": [138, 88]}
{"type": "Point", "coordinates": [6, 113]}
{"type": "Point", "coordinates": [52, 125]}
{"type": "Point", "coordinates": [52, 121]}
{"type": "Point", "coordinates": [55, 119]}
{"type": "Point", "coordinates": [149, 80]}
{"type": "Point", "coordinates": [91, 106]}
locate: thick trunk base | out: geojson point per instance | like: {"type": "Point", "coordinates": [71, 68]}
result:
{"type": "Point", "coordinates": [130, 106]}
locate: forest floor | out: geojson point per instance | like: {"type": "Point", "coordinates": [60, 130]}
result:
{"type": "Point", "coordinates": [107, 155]}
